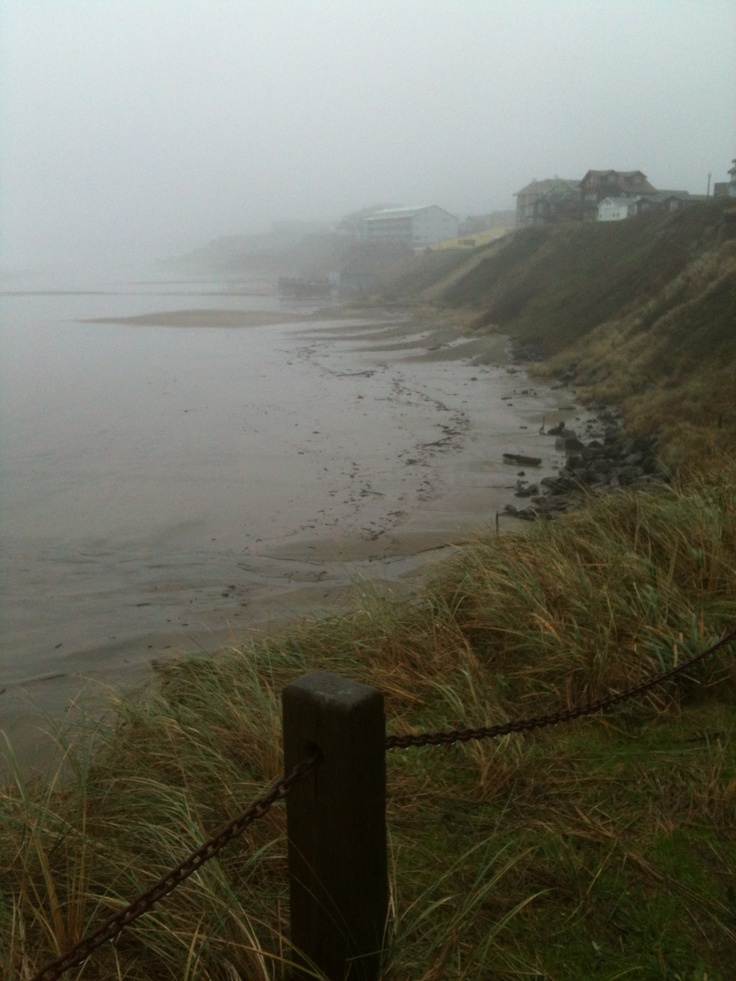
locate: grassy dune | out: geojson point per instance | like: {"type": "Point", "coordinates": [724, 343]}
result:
{"type": "Point", "coordinates": [598, 850]}
{"type": "Point", "coordinates": [552, 285]}
{"type": "Point", "coordinates": [645, 310]}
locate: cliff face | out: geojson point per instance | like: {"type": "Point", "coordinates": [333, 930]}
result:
{"type": "Point", "coordinates": [643, 311]}
{"type": "Point", "coordinates": [551, 286]}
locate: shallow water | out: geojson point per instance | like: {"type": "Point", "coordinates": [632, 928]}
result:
{"type": "Point", "coordinates": [163, 489]}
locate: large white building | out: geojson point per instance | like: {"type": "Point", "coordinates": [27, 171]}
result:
{"type": "Point", "coordinates": [416, 227]}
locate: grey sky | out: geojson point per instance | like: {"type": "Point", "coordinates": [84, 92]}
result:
{"type": "Point", "coordinates": [146, 127]}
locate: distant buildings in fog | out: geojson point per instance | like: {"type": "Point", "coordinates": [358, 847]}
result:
{"type": "Point", "coordinates": [543, 201]}
{"type": "Point", "coordinates": [603, 195]}
{"type": "Point", "coordinates": [416, 227]}
{"type": "Point", "coordinates": [422, 226]}
{"type": "Point", "coordinates": [727, 189]}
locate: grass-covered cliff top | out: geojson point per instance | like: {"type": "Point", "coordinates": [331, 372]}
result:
{"type": "Point", "coordinates": [593, 851]}
{"type": "Point", "coordinates": [645, 309]}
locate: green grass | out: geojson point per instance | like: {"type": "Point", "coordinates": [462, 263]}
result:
{"type": "Point", "coordinates": [643, 310]}
{"type": "Point", "coordinates": [670, 364]}
{"type": "Point", "coordinates": [597, 850]}
{"type": "Point", "coordinates": [551, 286]}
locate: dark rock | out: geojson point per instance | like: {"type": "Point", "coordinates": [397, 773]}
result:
{"type": "Point", "coordinates": [569, 444]}
{"type": "Point", "coordinates": [591, 455]}
{"type": "Point", "coordinates": [604, 463]}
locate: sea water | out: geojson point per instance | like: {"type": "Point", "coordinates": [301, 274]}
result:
{"type": "Point", "coordinates": [161, 486]}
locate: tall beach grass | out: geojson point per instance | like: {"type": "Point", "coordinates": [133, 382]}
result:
{"type": "Point", "coordinates": [599, 850]}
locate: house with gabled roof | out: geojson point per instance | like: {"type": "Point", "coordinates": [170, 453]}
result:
{"type": "Point", "coordinates": [548, 200]}
{"type": "Point", "coordinates": [600, 184]}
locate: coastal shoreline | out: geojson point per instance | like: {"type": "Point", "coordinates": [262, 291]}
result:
{"type": "Point", "coordinates": [315, 568]}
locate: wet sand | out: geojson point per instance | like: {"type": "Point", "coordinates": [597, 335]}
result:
{"type": "Point", "coordinates": [434, 410]}
{"type": "Point", "coordinates": [215, 318]}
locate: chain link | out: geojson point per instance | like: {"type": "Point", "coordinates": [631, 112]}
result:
{"type": "Point", "coordinates": [555, 718]}
{"type": "Point", "coordinates": [167, 883]}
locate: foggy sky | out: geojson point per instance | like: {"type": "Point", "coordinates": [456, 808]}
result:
{"type": "Point", "coordinates": [142, 128]}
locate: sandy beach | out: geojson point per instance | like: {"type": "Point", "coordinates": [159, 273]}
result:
{"type": "Point", "coordinates": [373, 446]}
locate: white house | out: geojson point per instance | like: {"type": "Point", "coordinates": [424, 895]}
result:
{"type": "Point", "coordinates": [616, 209]}
{"type": "Point", "coordinates": [416, 227]}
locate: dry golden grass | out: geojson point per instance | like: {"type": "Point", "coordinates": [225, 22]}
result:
{"type": "Point", "coordinates": [579, 853]}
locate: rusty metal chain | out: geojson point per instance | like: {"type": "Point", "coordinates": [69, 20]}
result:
{"type": "Point", "coordinates": [554, 718]}
{"type": "Point", "coordinates": [167, 883]}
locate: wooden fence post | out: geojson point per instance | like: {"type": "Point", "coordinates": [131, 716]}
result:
{"type": "Point", "coordinates": [336, 825]}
